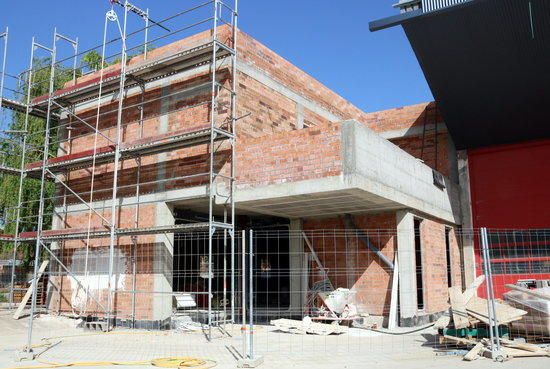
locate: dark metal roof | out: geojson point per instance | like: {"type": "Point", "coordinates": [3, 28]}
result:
{"type": "Point", "coordinates": [487, 63]}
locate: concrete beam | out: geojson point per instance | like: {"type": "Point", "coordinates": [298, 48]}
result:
{"type": "Point", "coordinates": [276, 86]}
{"type": "Point", "coordinates": [171, 196]}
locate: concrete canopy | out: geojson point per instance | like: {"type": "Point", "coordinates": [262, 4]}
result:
{"type": "Point", "coordinates": [376, 176]}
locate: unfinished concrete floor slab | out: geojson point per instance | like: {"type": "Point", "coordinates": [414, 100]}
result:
{"type": "Point", "coordinates": [358, 349]}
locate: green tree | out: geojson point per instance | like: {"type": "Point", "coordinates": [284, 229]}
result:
{"type": "Point", "coordinates": [9, 184]}
{"type": "Point", "coordinates": [92, 60]}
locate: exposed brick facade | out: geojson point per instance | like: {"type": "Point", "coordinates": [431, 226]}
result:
{"type": "Point", "coordinates": [307, 154]}
{"type": "Point", "coordinates": [265, 155]}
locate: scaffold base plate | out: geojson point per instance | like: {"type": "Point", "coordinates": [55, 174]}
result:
{"type": "Point", "coordinates": [251, 363]}
{"type": "Point", "coordinates": [24, 355]}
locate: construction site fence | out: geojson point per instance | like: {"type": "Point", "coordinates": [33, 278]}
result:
{"type": "Point", "coordinates": [315, 291]}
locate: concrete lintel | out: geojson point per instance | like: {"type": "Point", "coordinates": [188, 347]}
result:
{"type": "Point", "coordinates": [181, 194]}
{"type": "Point", "coordinates": [405, 200]}
{"type": "Point", "coordinates": [267, 81]}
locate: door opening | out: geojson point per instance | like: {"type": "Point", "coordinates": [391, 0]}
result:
{"type": "Point", "coordinates": [418, 263]}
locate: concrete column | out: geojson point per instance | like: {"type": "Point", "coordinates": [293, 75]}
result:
{"type": "Point", "coordinates": [163, 263]}
{"type": "Point", "coordinates": [467, 222]}
{"type": "Point", "coordinates": [297, 293]}
{"type": "Point", "coordinates": [407, 266]}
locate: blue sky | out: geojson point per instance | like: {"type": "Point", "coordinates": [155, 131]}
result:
{"type": "Point", "coordinates": [328, 39]}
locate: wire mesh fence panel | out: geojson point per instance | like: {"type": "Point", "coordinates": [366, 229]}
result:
{"type": "Point", "coordinates": [520, 263]}
{"type": "Point", "coordinates": [20, 276]}
{"type": "Point", "coordinates": [407, 292]}
{"type": "Point", "coordinates": [343, 296]}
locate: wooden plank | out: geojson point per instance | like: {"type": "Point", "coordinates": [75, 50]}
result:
{"type": "Point", "coordinates": [477, 307]}
{"type": "Point", "coordinates": [316, 258]}
{"type": "Point", "coordinates": [473, 354]}
{"type": "Point", "coordinates": [521, 345]}
{"type": "Point", "coordinates": [540, 295]}
{"type": "Point", "coordinates": [392, 319]}
{"type": "Point", "coordinates": [514, 352]}
{"type": "Point", "coordinates": [28, 295]}
{"type": "Point", "coordinates": [460, 341]}
{"type": "Point", "coordinates": [472, 288]}
{"type": "Point", "coordinates": [458, 308]}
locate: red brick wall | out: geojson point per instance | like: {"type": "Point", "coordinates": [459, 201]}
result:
{"type": "Point", "coordinates": [434, 265]}
{"type": "Point", "coordinates": [73, 297]}
{"type": "Point", "coordinates": [413, 146]}
{"type": "Point", "coordinates": [348, 259]}
{"type": "Point", "coordinates": [146, 252]}
{"type": "Point", "coordinates": [288, 157]}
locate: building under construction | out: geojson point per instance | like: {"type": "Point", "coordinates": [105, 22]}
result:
{"type": "Point", "coordinates": [161, 159]}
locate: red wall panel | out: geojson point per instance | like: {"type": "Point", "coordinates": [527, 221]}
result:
{"type": "Point", "coordinates": [510, 189]}
{"type": "Point", "coordinates": [510, 186]}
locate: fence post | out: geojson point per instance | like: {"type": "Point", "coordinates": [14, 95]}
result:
{"type": "Point", "coordinates": [251, 360]}
{"type": "Point", "coordinates": [243, 294]}
{"type": "Point", "coordinates": [251, 298]}
{"type": "Point", "coordinates": [496, 353]}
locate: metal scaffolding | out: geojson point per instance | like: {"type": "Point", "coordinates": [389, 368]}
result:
{"type": "Point", "coordinates": [112, 83]}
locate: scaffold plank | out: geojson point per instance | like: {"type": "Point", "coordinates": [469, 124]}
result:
{"type": "Point", "coordinates": [142, 147]}
{"type": "Point", "coordinates": [104, 232]}
{"type": "Point", "coordinates": [20, 107]}
{"type": "Point", "coordinates": [146, 71]}
{"type": "Point", "coordinates": [9, 170]}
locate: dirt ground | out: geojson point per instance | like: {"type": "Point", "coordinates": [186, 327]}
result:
{"type": "Point", "coordinates": [59, 340]}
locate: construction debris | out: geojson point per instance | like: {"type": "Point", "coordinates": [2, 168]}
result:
{"type": "Point", "coordinates": [466, 309]}
{"type": "Point", "coordinates": [509, 348]}
{"type": "Point", "coordinates": [458, 308]}
{"type": "Point", "coordinates": [537, 304]}
{"type": "Point", "coordinates": [338, 304]}
{"type": "Point", "coordinates": [186, 324]}
{"type": "Point", "coordinates": [458, 325]}
{"type": "Point", "coordinates": [474, 353]}
{"type": "Point", "coordinates": [477, 307]}
{"type": "Point", "coordinates": [307, 326]}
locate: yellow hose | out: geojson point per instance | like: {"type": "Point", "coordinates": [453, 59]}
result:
{"type": "Point", "coordinates": [167, 362]}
